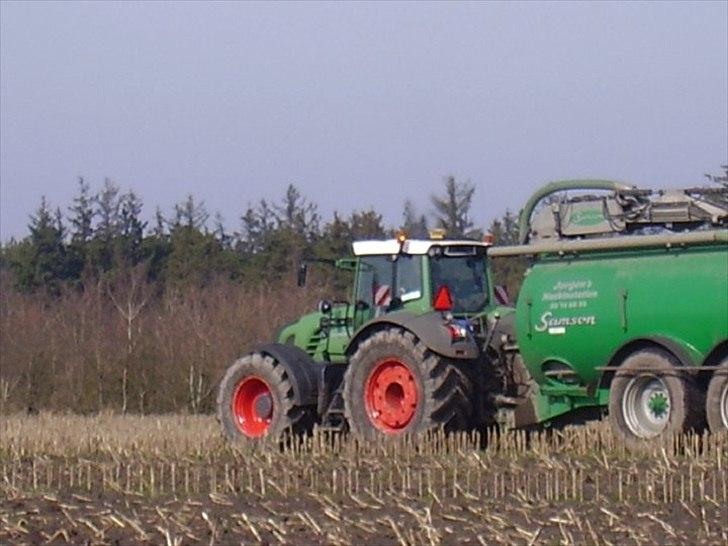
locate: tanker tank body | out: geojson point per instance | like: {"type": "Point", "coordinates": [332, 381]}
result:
{"type": "Point", "coordinates": [624, 308]}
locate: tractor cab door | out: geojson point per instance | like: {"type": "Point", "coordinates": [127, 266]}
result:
{"type": "Point", "coordinates": [386, 283]}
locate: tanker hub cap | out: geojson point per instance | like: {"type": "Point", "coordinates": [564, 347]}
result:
{"type": "Point", "coordinates": [253, 407]}
{"type": "Point", "coordinates": [646, 406]}
{"type": "Point", "coordinates": [390, 395]}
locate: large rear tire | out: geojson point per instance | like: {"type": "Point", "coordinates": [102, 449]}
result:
{"type": "Point", "coordinates": [255, 401]}
{"type": "Point", "coordinates": [716, 402]}
{"type": "Point", "coordinates": [650, 398]}
{"type": "Point", "coordinates": [394, 385]}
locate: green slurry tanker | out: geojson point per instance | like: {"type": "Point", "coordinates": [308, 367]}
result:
{"type": "Point", "coordinates": [623, 309]}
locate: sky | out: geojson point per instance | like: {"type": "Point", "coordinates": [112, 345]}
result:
{"type": "Point", "coordinates": [359, 105]}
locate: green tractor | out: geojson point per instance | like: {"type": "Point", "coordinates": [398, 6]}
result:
{"type": "Point", "coordinates": [406, 353]}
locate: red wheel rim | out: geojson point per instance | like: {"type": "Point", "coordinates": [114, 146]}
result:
{"type": "Point", "coordinates": [253, 407]}
{"type": "Point", "coordinates": [391, 395]}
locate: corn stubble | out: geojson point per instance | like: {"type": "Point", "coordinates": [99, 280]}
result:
{"type": "Point", "coordinates": [174, 480]}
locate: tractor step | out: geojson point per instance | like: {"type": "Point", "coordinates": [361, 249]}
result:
{"type": "Point", "coordinates": [331, 428]}
{"type": "Point", "coordinates": [330, 398]}
{"type": "Point", "coordinates": [333, 417]}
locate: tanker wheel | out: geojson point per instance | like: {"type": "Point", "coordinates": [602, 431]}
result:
{"type": "Point", "coordinates": [650, 398]}
{"type": "Point", "coordinates": [394, 385]}
{"type": "Point", "coordinates": [716, 404]}
{"type": "Point", "coordinates": [256, 401]}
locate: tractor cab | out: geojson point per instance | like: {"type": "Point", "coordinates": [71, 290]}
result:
{"type": "Point", "coordinates": [421, 276]}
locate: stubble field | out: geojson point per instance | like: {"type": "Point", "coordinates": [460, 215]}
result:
{"type": "Point", "coordinates": [174, 480]}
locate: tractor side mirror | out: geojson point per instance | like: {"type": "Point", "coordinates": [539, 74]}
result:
{"type": "Point", "coordinates": [302, 274]}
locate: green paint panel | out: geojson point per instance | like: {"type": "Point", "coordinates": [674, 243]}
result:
{"type": "Point", "coordinates": [580, 310]}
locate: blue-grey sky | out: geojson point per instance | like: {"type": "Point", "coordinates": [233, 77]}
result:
{"type": "Point", "coordinates": [357, 104]}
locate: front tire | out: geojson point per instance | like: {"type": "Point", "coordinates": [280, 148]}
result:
{"type": "Point", "coordinates": [716, 402]}
{"type": "Point", "coordinates": [650, 398]}
{"type": "Point", "coordinates": [255, 401]}
{"type": "Point", "coordinates": [394, 385]}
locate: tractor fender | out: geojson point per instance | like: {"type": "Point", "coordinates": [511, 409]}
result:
{"type": "Point", "coordinates": [302, 370]}
{"type": "Point", "coordinates": [430, 328]}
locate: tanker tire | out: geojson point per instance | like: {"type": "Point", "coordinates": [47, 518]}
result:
{"type": "Point", "coordinates": [287, 418]}
{"type": "Point", "coordinates": [717, 398]}
{"type": "Point", "coordinates": [444, 390]}
{"type": "Point", "coordinates": [683, 396]}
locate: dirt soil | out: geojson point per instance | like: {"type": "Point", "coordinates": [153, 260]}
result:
{"type": "Point", "coordinates": [319, 519]}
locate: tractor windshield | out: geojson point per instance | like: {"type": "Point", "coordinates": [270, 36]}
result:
{"type": "Point", "coordinates": [465, 277]}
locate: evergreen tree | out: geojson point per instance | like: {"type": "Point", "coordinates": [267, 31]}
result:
{"type": "Point", "coordinates": [257, 225]}
{"type": "Point", "coordinates": [81, 220]}
{"type": "Point", "coordinates": [40, 262]}
{"type": "Point", "coordinates": [225, 239]}
{"type": "Point", "coordinates": [131, 230]}
{"type": "Point", "coordinates": [505, 229]}
{"type": "Point", "coordinates": [335, 239]}
{"type": "Point", "coordinates": [366, 224]}
{"type": "Point", "coordinates": [156, 247]}
{"type": "Point", "coordinates": [275, 237]}
{"type": "Point", "coordinates": [159, 223]}
{"type": "Point", "coordinates": [101, 250]}
{"type": "Point", "coordinates": [107, 210]}
{"type": "Point", "coordinates": [190, 214]}
{"type": "Point", "coordinates": [297, 214]}
{"type": "Point", "coordinates": [82, 214]}
{"type": "Point", "coordinates": [453, 208]}
{"type": "Point", "coordinates": [194, 257]}
{"type": "Point", "coordinates": [415, 225]}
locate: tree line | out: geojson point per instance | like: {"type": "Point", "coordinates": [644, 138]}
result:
{"type": "Point", "coordinates": [102, 310]}
{"type": "Point", "coordinates": [102, 234]}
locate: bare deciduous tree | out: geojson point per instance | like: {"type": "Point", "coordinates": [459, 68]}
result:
{"type": "Point", "coordinates": [130, 293]}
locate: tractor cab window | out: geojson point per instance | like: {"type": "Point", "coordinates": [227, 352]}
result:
{"type": "Point", "coordinates": [409, 278]}
{"type": "Point", "coordinates": [382, 278]}
{"type": "Point", "coordinates": [465, 277]}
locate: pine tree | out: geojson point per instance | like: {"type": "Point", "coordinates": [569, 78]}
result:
{"type": "Point", "coordinates": [297, 214]}
{"type": "Point", "coordinates": [258, 223]}
{"type": "Point", "coordinates": [415, 225]}
{"type": "Point", "coordinates": [101, 255]}
{"type": "Point", "coordinates": [82, 214]}
{"type": "Point", "coordinates": [81, 219]}
{"type": "Point", "coordinates": [107, 210]}
{"type": "Point", "coordinates": [159, 223]}
{"type": "Point", "coordinates": [190, 214]}
{"type": "Point", "coordinates": [453, 208]}
{"type": "Point", "coordinates": [131, 230]}
{"type": "Point", "coordinates": [225, 239]}
{"type": "Point", "coordinates": [156, 247]}
{"type": "Point", "coordinates": [41, 261]}
{"type": "Point", "coordinates": [366, 224]}
{"type": "Point", "coordinates": [335, 240]}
